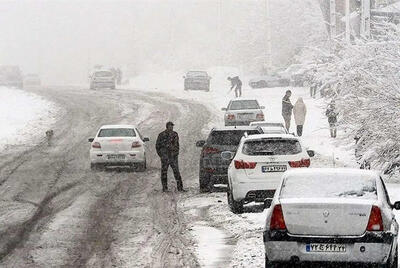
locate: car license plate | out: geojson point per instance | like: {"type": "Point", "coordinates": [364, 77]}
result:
{"type": "Point", "coordinates": [266, 169]}
{"type": "Point", "coordinates": [116, 156]}
{"type": "Point", "coordinates": [246, 116]}
{"type": "Point", "coordinates": [337, 248]}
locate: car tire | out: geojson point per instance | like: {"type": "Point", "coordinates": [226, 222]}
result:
{"type": "Point", "coordinates": [141, 167]}
{"type": "Point", "coordinates": [93, 166]}
{"type": "Point", "coordinates": [204, 182]}
{"type": "Point", "coordinates": [235, 206]}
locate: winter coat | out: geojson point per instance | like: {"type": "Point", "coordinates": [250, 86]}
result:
{"type": "Point", "coordinates": [299, 112]}
{"type": "Point", "coordinates": [236, 82]}
{"type": "Point", "coordinates": [287, 107]}
{"type": "Point", "coordinates": [167, 144]}
{"type": "Point", "coordinates": [331, 114]}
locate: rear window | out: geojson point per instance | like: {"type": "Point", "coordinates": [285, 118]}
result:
{"type": "Point", "coordinates": [272, 147]}
{"type": "Point", "coordinates": [244, 105]}
{"type": "Point", "coordinates": [329, 186]}
{"type": "Point", "coordinates": [117, 132]}
{"type": "Point", "coordinates": [229, 137]}
{"type": "Point", "coordinates": [103, 74]}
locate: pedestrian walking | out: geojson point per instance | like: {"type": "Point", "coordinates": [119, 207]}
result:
{"type": "Point", "coordinates": [299, 112]}
{"type": "Point", "coordinates": [167, 147]}
{"type": "Point", "coordinates": [287, 108]}
{"type": "Point", "coordinates": [237, 84]}
{"type": "Point", "coordinates": [332, 114]}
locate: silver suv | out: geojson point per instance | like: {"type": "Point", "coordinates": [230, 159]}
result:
{"type": "Point", "coordinates": [241, 112]}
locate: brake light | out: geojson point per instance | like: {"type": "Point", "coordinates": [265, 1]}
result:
{"type": "Point", "coordinates": [301, 163]}
{"type": "Point", "coordinates": [260, 117]}
{"type": "Point", "coordinates": [230, 116]}
{"type": "Point", "coordinates": [136, 144]}
{"type": "Point", "coordinates": [375, 220]}
{"type": "Point", "coordinates": [96, 145]}
{"type": "Point", "coordinates": [277, 220]}
{"type": "Point", "coordinates": [240, 164]}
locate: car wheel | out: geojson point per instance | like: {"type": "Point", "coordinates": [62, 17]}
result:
{"type": "Point", "coordinates": [93, 166]}
{"type": "Point", "coordinates": [235, 206]}
{"type": "Point", "coordinates": [204, 182]}
{"type": "Point", "coordinates": [141, 167]}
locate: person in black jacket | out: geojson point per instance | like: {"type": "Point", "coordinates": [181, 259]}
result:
{"type": "Point", "coordinates": [237, 84]}
{"type": "Point", "coordinates": [332, 114]}
{"type": "Point", "coordinates": [167, 147]}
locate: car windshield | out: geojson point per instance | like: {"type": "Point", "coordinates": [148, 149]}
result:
{"type": "Point", "coordinates": [244, 105]}
{"type": "Point", "coordinates": [229, 137]}
{"type": "Point", "coordinates": [196, 74]}
{"type": "Point", "coordinates": [117, 132]}
{"type": "Point", "coordinates": [103, 74]}
{"type": "Point", "coordinates": [272, 147]}
{"type": "Point", "coordinates": [329, 186]}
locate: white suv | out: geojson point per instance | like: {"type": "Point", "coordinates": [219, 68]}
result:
{"type": "Point", "coordinates": [256, 169]}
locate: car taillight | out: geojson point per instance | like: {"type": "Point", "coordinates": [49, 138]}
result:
{"type": "Point", "coordinates": [96, 145]}
{"type": "Point", "coordinates": [301, 163]}
{"type": "Point", "coordinates": [136, 144]}
{"type": "Point", "coordinates": [210, 150]}
{"type": "Point", "coordinates": [277, 220]}
{"type": "Point", "coordinates": [240, 164]}
{"type": "Point", "coordinates": [260, 117]}
{"type": "Point", "coordinates": [230, 116]}
{"type": "Point", "coordinates": [375, 220]}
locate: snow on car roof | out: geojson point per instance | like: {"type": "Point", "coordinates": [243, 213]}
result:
{"type": "Point", "coordinates": [331, 171]}
{"type": "Point", "coordinates": [117, 126]}
{"type": "Point", "coordinates": [235, 128]}
{"type": "Point", "coordinates": [263, 136]}
{"type": "Point", "coordinates": [244, 99]}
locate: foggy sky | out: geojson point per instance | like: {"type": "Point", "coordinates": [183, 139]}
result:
{"type": "Point", "coordinates": [62, 39]}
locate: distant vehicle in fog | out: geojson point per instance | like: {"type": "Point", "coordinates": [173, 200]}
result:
{"type": "Point", "coordinates": [267, 81]}
{"type": "Point", "coordinates": [241, 112]}
{"type": "Point", "coordinates": [11, 76]}
{"type": "Point", "coordinates": [32, 80]}
{"type": "Point", "coordinates": [296, 74]}
{"type": "Point", "coordinates": [102, 79]}
{"type": "Point", "coordinates": [197, 80]}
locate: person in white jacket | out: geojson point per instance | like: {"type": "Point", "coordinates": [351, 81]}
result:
{"type": "Point", "coordinates": [299, 111]}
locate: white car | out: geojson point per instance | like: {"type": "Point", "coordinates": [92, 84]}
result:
{"type": "Point", "coordinates": [256, 169]}
{"type": "Point", "coordinates": [241, 112]}
{"type": "Point", "coordinates": [341, 216]}
{"type": "Point", "coordinates": [102, 79]}
{"type": "Point", "coordinates": [270, 127]}
{"type": "Point", "coordinates": [118, 145]}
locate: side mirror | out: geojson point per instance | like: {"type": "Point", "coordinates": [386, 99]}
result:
{"type": "Point", "coordinates": [310, 153]}
{"type": "Point", "coordinates": [90, 139]}
{"type": "Point", "coordinates": [262, 107]}
{"type": "Point", "coordinates": [200, 143]}
{"type": "Point", "coordinates": [227, 155]}
{"type": "Point", "coordinates": [396, 205]}
{"type": "Point", "coordinates": [224, 109]}
{"type": "Point", "coordinates": [146, 139]}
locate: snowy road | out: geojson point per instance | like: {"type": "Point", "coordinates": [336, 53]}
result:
{"type": "Point", "coordinates": [56, 212]}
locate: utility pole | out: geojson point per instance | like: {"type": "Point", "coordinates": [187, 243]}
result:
{"type": "Point", "coordinates": [347, 21]}
{"type": "Point", "coordinates": [268, 56]}
{"type": "Point", "coordinates": [332, 22]}
{"type": "Point", "coordinates": [365, 29]}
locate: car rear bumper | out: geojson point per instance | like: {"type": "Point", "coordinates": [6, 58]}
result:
{"type": "Point", "coordinates": [103, 84]}
{"type": "Point", "coordinates": [369, 248]}
{"type": "Point", "coordinates": [254, 191]}
{"type": "Point", "coordinates": [128, 159]}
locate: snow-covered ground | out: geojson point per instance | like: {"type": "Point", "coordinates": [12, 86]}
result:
{"type": "Point", "coordinates": [209, 213]}
{"type": "Point", "coordinates": [24, 117]}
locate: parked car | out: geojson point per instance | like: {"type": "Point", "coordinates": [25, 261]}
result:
{"type": "Point", "coordinates": [102, 79]}
{"type": "Point", "coordinates": [296, 73]}
{"type": "Point", "coordinates": [11, 76]}
{"type": "Point", "coordinates": [242, 112]}
{"type": "Point", "coordinates": [270, 127]}
{"type": "Point", "coordinates": [269, 81]}
{"type": "Point", "coordinates": [257, 167]}
{"type": "Point", "coordinates": [341, 216]}
{"type": "Point", "coordinates": [212, 168]}
{"type": "Point", "coordinates": [32, 80]}
{"type": "Point", "coordinates": [118, 145]}
{"type": "Point", "coordinates": [197, 80]}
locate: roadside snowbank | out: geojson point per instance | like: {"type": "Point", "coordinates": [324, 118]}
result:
{"type": "Point", "coordinates": [24, 117]}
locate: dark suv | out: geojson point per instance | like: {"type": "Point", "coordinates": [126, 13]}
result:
{"type": "Point", "coordinates": [213, 169]}
{"type": "Point", "coordinates": [197, 80]}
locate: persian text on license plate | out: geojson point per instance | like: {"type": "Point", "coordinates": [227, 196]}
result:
{"type": "Point", "coordinates": [116, 156]}
{"type": "Point", "coordinates": [273, 168]}
{"type": "Point", "coordinates": [337, 248]}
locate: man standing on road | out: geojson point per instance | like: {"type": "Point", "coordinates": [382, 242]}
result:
{"type": "Point", "coordinates": [167, 147]}
{"type": "Point", "coordinates": [287, 108]}
{"type": "Point", "coordinates": [237, 84]}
